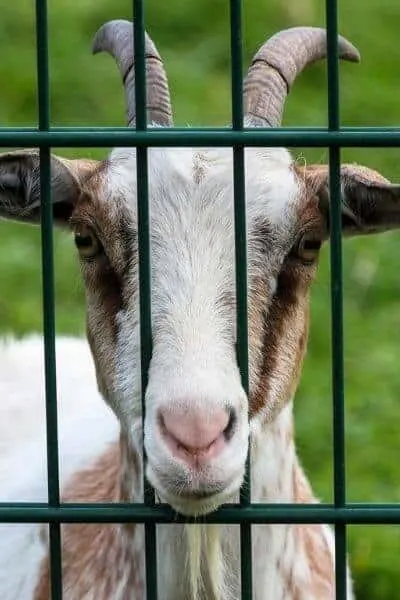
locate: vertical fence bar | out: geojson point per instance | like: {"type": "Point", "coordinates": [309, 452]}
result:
{"type": "Point", "coordinates": [144, 272]}
{"type": "Point", "coordinates": [241, 272]}
{"type": "Point", "coordinates": [48, 299]}
{"type": "Point", "coordinates": [336, 299]}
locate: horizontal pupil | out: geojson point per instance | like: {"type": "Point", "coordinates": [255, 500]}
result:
{"type": "Point", "coordinates": [83, 241]}
{"type": "Point", "coordinates": [312, 245]}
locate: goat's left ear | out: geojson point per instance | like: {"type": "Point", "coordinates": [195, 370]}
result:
{"type": "Point", "coordinates": [20, 185]}
{"type": "Point", "coordinates": [370, 203]}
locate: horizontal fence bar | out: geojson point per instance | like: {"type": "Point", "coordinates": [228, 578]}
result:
{"type": "Point", "coordinates": [352, 514]}
{"type": "Point", "coordinates": [185, 130]}
{"type": "Point", "coordinates": [223, 137]}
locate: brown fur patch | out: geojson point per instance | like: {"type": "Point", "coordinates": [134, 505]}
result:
{"type": "Point", "coordinates": [109, 280]}
{"type": "Point", "coordinates": [317, 175]}
{"type": "Point", "coordinates": [285, 332]}
{"type": "Point", "coordinates": [279, 325]}
{"type": "Point", "coordinates": [96, 557]}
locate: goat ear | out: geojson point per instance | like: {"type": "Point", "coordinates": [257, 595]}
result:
{"type": "Point", "coordinates": [20, 185]}
{"type": "Point", "coordinates": [370, 203]}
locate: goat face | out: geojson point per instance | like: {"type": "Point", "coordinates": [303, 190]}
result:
{"type": "Point", "coordinates": [196, 426]}
{"type": "Point", "coordinates": [198, 416]}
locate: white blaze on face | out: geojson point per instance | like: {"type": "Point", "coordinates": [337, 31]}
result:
{"type": "Point", "coordinates": [193, 364]}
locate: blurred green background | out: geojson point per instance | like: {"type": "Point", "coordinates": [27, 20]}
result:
{"type": "Point", "coordinates": [193, 37]}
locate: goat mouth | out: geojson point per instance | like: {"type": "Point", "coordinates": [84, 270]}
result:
{"type": "Point", "coordinates": [194, 502]}
{"type": "Point", "coordinates": [194, 494]}
{"type": "Point", "coordinates": [200, 495]}
{"type": "Point", "coordinates": [194, 505]}
{"type": "Point", "coordinates": [197, 502]}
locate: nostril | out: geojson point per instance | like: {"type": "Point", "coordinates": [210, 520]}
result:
{"type": "Point", "coordinates": [230, 428]}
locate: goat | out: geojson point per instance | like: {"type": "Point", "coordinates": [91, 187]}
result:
{"type": "Point", "coordinates": [199, 423]}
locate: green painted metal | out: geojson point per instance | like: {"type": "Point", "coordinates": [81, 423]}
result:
{"type": "Point", "coordinates": [55, 513]}
{"type": "Point", "coordinates": [353, 514]}
{"type": "Point", "coordinates": [107, 137]}
{"type": "Point", "coordinates": [242, 343]}
{"type": "Point", "coordinates": [339, 460]}
{"type": "Point", "coordinates": [48, 301]}
{"type": "Point", "coordinates": [144, 270]}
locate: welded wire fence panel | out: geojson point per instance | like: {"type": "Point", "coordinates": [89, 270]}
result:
{"type": "Point", "coordinates": [44, 137]}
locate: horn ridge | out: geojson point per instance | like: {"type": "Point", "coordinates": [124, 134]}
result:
{"type": "Point", "coordinates": [116, 38]}
{"type": "Point", "coordinates": [277, 64]}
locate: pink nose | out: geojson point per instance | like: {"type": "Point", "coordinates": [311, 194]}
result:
{"type": "Point", "coordinates": [196, 435]}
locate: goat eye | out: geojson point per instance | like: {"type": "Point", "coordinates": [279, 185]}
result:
{"type": "Point", "coordinates": [308, 248]}
{"type": "Point", "coordinates": [87, 242]}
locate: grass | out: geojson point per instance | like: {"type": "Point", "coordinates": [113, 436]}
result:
{"type": "Point", "coordinates": [194, 40]}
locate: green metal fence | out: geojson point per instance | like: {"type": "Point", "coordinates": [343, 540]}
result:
{"type": "Point", "coordinates": [54, 513]}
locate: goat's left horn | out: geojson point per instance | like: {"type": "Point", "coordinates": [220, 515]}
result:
{"type": "Point", "coordinates": [276, 66]}
{"type": "Point", "coordinates": [116, 38]}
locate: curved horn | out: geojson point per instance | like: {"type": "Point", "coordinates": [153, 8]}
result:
{"type": "Point", "coordinates": [116, 38]}
{"type": "Point", "coordinates": [276, 66]}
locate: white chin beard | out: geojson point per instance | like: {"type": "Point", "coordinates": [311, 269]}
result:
{"type": "Point", "coordinates": [192, 506]}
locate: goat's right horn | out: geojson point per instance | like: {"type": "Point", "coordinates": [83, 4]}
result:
{"type": "Point", "coordinates": [116, 38]}
{"type": "Point", "coordinates": [276, 66]}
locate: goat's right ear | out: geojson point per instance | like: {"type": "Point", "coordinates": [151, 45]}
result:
{"type": "Point", "coordinates": [20, 185]}
{"type": "Point", "coordinates": [370, 203]}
